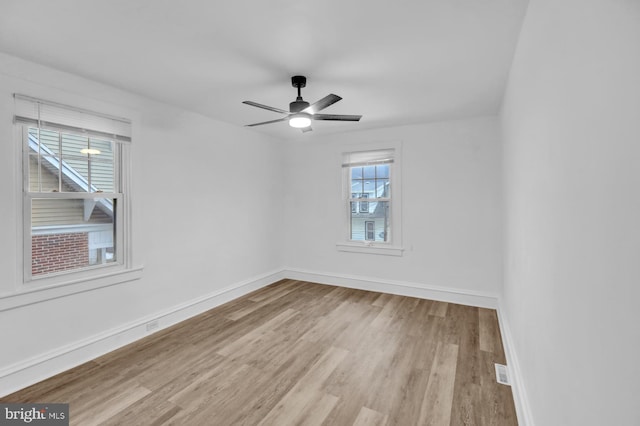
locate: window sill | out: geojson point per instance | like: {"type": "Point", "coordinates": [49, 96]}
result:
{"type": "Point", "coordinates": [370, 248]}
{"type": "Point", "coordinates": [30, 295]}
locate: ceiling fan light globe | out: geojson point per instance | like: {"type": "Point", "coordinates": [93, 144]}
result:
{"type": "Point", "coordinates": [300, 121]}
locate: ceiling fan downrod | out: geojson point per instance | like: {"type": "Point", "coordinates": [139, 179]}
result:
{"type": "Point", "coordinates": [298, 81]}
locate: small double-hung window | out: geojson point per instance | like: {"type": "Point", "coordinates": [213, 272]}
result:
{"type": "Point", "coordinates": [74, 187]}
{"type": "Point", "coordinates": [370, 197]}
{"type": "Point", "coordinates": [372, 202]}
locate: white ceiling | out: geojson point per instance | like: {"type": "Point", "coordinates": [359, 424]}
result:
{"type": "Point", "coordinates": [403, 62]}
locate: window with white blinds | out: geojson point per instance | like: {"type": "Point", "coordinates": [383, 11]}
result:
{"type": "Point", "coordinates": [75, 209]}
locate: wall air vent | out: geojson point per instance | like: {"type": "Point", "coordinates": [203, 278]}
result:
{"type": "Point", "coordinates": [502, 374]}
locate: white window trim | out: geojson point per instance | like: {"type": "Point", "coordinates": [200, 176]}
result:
{"type": "Point", "coordinates": [369, 247]}
{"type": "Point", "coordinates": [28, 295]}
{"type": "Point", "coordinates": [393, 247]}
{"type": "Point", "coordinates": [25, 291]}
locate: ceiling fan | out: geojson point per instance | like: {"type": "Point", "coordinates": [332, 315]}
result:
{"type": "Point", "coordinates": [301, 112]}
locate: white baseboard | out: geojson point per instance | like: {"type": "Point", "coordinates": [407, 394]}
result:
{"type": "Point", "coordinates": [40, 367]}
{"type": "Point", "coordinates": [402, 288]}
{"type": "Point", "coordinates": [523, 410]}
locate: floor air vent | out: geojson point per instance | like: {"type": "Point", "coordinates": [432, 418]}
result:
{"type": "Point", "coordinates": [502, 375]}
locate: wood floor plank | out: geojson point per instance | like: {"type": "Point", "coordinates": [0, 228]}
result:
{"type": "Point", "coordinates": [385, 319]}
{"type": "Point", "coordinates": [420, 320]}
{"type": "Point", "coordinates": [438, 398]}
{"type": "Point", "coordinates": [278, 378]}
{"type": "Point", "coordinates": [490, 340]}
{"type": "Point", "coordinates": [154, 408]}
{"type": "Point", "coordinates": [357, 378]}
{"type": "Point", "coordinates": [107, 407]}
{"type": "Point", "coordinates": [299, 353]}
{"type": "Point", "coordinates": [469, 369]}
{"type": "Point", "coordinates": [74, 379]}
{"type": "Point", "coordinates": [369, 417]}
{"type": "Point", "coordinates": [382, 299]}
{"type": "Point", "coordinates": [306, 391]}
{"type": "Point", "coordinates": [395, 373]}
{"type": "Point", "coordinates": [316, 412]}
{"type": "Point", "coordinates": [438, 309]}
{"type": "Point", "coordinates": [496, 405]}
{"type": "Point", "coordinates": [327, 327]}
{"type": "Point", "coordinates": [258, 301]}
{"type": "Point", "coordinates": [358, 320]}
{"type": "Point", "coordinates": [273, 291]}
{"type": "Point", "coordinates": [409, 379]}
{"type": "Point", "coordinates": [467, 410]}
{"type": "Point", "coordinates": [256, 333]}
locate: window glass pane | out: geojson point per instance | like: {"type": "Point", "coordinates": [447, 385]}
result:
{"type": "Point", "coordinates": [369, 187]}
{"type": "Point", "coordinates": [72, 145]}
{"type": "Point", "coordinates": [101, 165]}
{"type": "Point", "coordinates": [364, 205]}
{"type": "Point", "coordinates": [372, 225]}
{"type": "Point", "coordinates": [49, 175]}
{"type": "Point", "coordinates": [34, 181]}
{"type": "Point", "coordinates": [382, 171]}
{"type": "Point", "coordinates": [68, 234]}
{"type": "Point", "coordinates": [49, 141]}
{"type": "Point", "coordinates": [84, 164]}
{"type": "Point", "coordinates": [75, 164]}
{"type": "Point", "coordinates": [382, 188]}
{"type": "Point", "coordinates": [43, 176]}
{"type": "Point", "coordinates": [369, 172]}
{"type": "Point", "coordinates": [369, 220]}
{"type": "Point", "coordinates": [43, 161]}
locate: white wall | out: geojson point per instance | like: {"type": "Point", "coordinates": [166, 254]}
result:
{"type": "Point", "coordinates": [200, 226]}
{"type": "Point", "coordinates": [207, 214]}
{"type": "Point", "coordinates": [451, 206]}
{"type": "Point", "coordinates": [571, 125]}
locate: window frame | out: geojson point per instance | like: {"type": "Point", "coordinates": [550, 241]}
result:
{"type": "Point", "coordinates": [60, 283]}
{"type": "Point", "coordinates": [393, 245]}
{"type": "Point", "coordinates": [29, 196]}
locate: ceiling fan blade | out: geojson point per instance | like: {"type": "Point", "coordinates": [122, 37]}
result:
{"type": "Point", "coordinates": [322, 104]}
{"type": "Point", "coordinates": [336, 117]}
{"type": "Point", "coordinates": [255, 104]}
{"type": "Point", "coordinates": [267, 122]}
{"type": "Point", "coordinates": [306, 129]}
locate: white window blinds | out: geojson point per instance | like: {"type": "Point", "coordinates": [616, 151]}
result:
{"type": "Point", "coordinates": [367, 158]}
{"type": "Point", "coordinates": [45, 114]}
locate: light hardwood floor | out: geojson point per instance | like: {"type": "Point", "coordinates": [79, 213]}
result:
{"type": "Point", "coordinates": [299, 353]}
